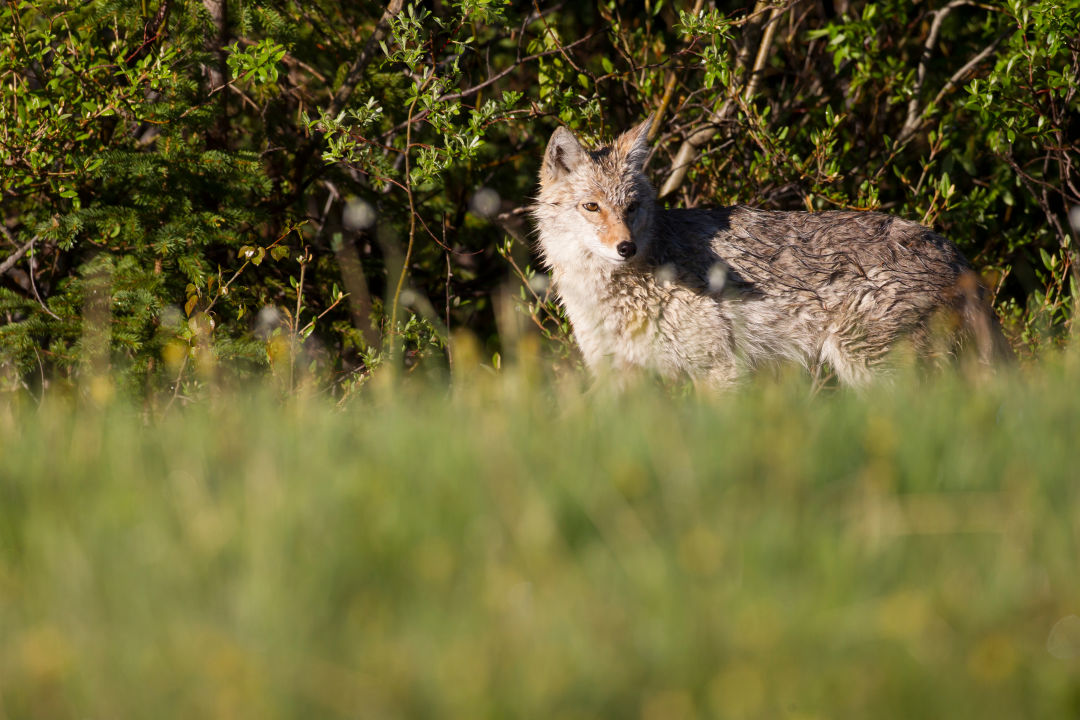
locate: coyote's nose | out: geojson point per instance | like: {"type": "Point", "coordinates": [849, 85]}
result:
{"type": "Point", "coordinates": [626, 249]}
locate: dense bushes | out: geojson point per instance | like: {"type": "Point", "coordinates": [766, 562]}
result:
{"type": "Point", "coordinates": [201, 188]}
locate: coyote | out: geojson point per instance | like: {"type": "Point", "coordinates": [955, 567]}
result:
{"type": "Point", "coordinates": [712, 294]}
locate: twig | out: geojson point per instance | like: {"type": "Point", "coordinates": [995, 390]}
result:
{"type": "Point", "coordinates": [33, 283]}
{"type": "Point", "coordinates": [219, 14]}
{"type": "Point", "coordinates": [540, 302]}
{"type": "Point", "coordinates": [915, 115]}
{"type": "Point", "coordinates": [669, 90]}
{"type": "Point", "coordinates": [300, 289]}
{"type": "Point", "coordinates": [10, 261]}
{"type": "Point", "coordinates": [352, 79]}
{"type": "Point", "coordinates": [449, 278]}
{"type": "Point", "coordinates": [970, 65]}
{"type": "Point", "coordinates": [151, 32]}
{"type": "Point", "coordinates": [762, 54]}
{"type": "Point", "coordinates": [320, 316]}
{"type": "Point", "coordinates": [304, 257]}
{"type": "Point", "coordinates": [558, 45]}
{"type": "Point", "coordinates": [356, 70]}
{"type": "Point", "coordinates": [913, 112]}
{"type": "Point", "coordinates": [490, 81]}
{"type": "Point", "coordinates": [412, 226]}
{"type": "Point", "coordinates": [695, 141]}
{"type": "Point", "coordinates": [14, 257]}
{"type": "Point", "coordinates": [215, 90]}
{"type": "Point", "coordinates": [176, 386]}
{"type": "Point", "coordinates": [224, 289]}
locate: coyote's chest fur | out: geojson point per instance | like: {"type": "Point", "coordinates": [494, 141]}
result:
{"type": "Point", "coordinates": [628, 319]}
{"type": "Point", "coordinates": [709, 294]}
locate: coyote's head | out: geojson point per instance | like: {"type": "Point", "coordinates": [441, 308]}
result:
{"type": "Point", "coordinates": [595, 202]}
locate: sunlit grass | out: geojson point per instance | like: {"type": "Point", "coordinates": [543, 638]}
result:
{"type": "Point", "coordinates": [500, 549]}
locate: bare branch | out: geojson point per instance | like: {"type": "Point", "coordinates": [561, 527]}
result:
{"type": "Point", "coordinates": [688, 151]}
{"type": "Point", "coordinates": [913, 111]}
{"type": "Point", "coordinates": [970, 65]}
{"type": "Point", "coordinates": [33, 284]}
{"type": "Point", "coordinates": [10, 260]}
{"type": "Point", "coordinates": [356, 70]}
{"type": "Point", "coordinates": [669, 90]}
{"type": "Point", "coordinates": [915, 115]}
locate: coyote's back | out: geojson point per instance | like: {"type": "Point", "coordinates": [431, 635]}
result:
{"type": "Point", "coordinates": [710, 293]}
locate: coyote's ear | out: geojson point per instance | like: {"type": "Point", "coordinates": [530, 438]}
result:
{"type": "Point", "coordinates": [563, 154]}
{"type": "Point", "coordinates": [634, 143]}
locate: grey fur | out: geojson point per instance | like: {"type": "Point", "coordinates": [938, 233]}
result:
{"type": "Point", "coordinates": [711, 294]}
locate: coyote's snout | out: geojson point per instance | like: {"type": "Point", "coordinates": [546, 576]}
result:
{"type": "Point", "coordinates": [709, 294]}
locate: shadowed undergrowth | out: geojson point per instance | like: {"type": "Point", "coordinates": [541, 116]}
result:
{"type": "Point", "coordinates": [501, 550]}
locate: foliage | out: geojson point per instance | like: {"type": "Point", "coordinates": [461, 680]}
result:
{"type": "Point", "coordinates": [313, 190]}
{"type": "Point", "coordinates": [229, 202]}
{"type": "Point", "coordinates": [892, 555]}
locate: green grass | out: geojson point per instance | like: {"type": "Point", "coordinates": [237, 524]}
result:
{"type": "Point", "coordinates": [498, 550]}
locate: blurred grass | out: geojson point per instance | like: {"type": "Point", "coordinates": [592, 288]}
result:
{"type": "Point", "coordinates": [503, 550]}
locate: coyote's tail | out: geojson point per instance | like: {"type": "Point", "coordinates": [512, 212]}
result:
{"type": "Point", "coordinates": [980, 321]}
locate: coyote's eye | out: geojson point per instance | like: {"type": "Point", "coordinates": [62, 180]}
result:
{"type": "Point", "coordinates": [591, 207]}
{"type": "Point", "coordinates": [632, 207]}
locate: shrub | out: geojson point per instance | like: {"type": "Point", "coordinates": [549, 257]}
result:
{"type": "Point", "coordinates": [215, 189]}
